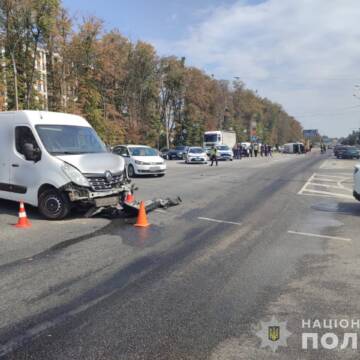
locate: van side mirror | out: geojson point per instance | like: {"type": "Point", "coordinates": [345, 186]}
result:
{"type": "Point", "coordinates": [31, 154]}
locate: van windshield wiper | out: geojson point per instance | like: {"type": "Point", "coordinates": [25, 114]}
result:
{"type": "Point", "coordinates": [66, 153]}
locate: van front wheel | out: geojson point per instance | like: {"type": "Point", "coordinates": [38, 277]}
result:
{"type": "Point", "coordinates": [54, 205]}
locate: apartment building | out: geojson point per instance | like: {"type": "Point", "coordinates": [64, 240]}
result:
{"type": "Point", "coordinates": [40, 82]}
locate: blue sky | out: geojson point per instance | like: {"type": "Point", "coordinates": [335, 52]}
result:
{"type": "Point", "coordinates": [303, 54]}
{"type": "Point", "coordinates": [146, 19]}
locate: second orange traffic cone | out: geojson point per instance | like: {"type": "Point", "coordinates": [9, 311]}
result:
{"type": "Point", "coordinates": [23, 221]}
{"type": "Point", "coordinates": [129, 198]}
{"type": "Point", "coordinates": [142, 218]}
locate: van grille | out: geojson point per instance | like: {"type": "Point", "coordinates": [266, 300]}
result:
{"type": "Point", "coordinates": [100, 183]}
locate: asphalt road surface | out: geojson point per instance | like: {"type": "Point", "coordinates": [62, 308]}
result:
{"type": "Point", "coordinates": [252, 239]}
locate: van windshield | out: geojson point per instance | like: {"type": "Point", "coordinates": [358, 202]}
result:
{"type": "Point", "coordinates": [69, 139]}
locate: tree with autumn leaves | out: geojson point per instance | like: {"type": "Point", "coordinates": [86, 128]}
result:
{"type": "Point", "coordinates": [125, 90]}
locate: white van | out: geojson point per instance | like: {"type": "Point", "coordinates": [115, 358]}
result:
{"type": "Point", "coordinates": [56, 161]}
{"type": "Point", "coordinates": [294, 148]}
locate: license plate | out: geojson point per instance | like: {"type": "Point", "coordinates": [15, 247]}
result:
{"type": "Point", "coordinates": [108, 201]}
{"type": "Point", "coordinates": [155, 168]}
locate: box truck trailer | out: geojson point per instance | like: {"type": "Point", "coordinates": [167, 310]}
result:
{"type": "Point", "coordinates": [221, 137]}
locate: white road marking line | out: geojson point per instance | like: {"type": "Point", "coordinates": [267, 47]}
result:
{"type": "Point", "coordinates": [349, 174]}
{"type": "Point", "coordinates": [161, 211]}
{"type": "Point", "coordinates": [220, 221]}
{"type": "Point", "coordinates": [330, 186]}
{"type": "Point", "coordinates": [319, 236]}
{"type": "Point", "coordinates": [306, 184]}
{"type": "Point", "coordinates": [327, 196]}
{"type": "Point", "coordinates": [340, 183]}
{"type": "Point", "coordinates": [323, 164]}
{"type": "Point", "coordinates": [327, 180]}
{"type": "Point", "coordinates": [329, 176]}
{"type": "Point", "coordinates": [344, 196]}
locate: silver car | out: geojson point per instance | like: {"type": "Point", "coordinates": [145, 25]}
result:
{"type": "Point", "coordinates": [225, 153]}
{"type": "Point", "coordinates": [196, 155]}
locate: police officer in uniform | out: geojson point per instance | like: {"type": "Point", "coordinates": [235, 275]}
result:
{"type": "Point", "coordinates": [214, 156]}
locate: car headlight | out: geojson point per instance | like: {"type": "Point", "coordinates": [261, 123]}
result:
{"type": "Point", "coordinates": [138, 162]}
{"type": "Point", "coordinates": [75, 175]}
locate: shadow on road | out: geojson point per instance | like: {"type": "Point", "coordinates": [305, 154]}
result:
{"type": "Point", "coordinates": [344, 208]}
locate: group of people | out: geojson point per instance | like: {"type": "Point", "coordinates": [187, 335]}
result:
{"type": "Point", "coordinates": [240, 151]}
{"type": "Point", "coordinates": [253, 150]}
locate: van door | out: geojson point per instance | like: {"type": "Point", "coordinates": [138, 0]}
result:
{"type": "Point", "coordinates": [25, 177]}
{"type": "Point", "coordinates": [5, 147]}
{"type": "Point", "coordinates": [124, 152]}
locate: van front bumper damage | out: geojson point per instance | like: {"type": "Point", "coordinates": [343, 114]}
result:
{"type": "Point", "coordinates": [86, 196]}
{"type": "Point", "coordinates": [113, 200]}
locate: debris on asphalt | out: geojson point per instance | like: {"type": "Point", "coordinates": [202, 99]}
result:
{"type": "Point", "coordinates": [150, 205]}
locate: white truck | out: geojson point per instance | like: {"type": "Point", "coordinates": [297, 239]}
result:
{"type": "Point", "coordinates": [220, 137]}
{"type": "Point", "coordinates": [57, 161]}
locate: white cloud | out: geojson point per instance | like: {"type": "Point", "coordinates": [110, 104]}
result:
{"type": "Point", "coordinates": [304, 54]}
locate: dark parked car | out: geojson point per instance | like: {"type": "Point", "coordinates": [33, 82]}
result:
{"type": "Point", "coordinates": [338, 149]}
{"type": "Point", "coordinates": [178, 153]}
{"type": "Point", "coordinates": [349, 153]}
{"type": "Point", "coordinates": [164, 153]}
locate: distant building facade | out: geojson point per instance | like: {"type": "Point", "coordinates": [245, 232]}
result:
{"type": "Point", "coordinates": [40, 83]}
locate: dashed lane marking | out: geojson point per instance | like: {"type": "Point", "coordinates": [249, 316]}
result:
{"type": "Point", "coordinates": [319, 236]}
{"type": "Point", "coordinates": [220, 221]}
{"type": "Point", "coordinates": [161, 211]}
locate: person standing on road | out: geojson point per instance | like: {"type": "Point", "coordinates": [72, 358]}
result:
{"type": "Point", "coordinates": [214, 156]}
{"type": "Point", "coordinates": [240, 150]}
{"type": "Point", "coordinates": [256, 150]}
{"type": "Point", "coordinates": [266, 150]}
{"type": "Point", "coordinates": [236, 151]}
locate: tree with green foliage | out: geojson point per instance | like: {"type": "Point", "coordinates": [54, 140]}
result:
{"type": "Point", "coordinates": [126, 91]}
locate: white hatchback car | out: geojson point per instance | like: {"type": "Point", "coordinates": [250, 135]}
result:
{"type": "Point", "coordinates": [141, 160]}
{"type": "Point", "coordinates": [196, 155]}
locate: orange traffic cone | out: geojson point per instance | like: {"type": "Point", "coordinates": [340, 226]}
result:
{"type": "Point", "coordinates": [23, 221]}
{"type": "Point", "coordinates": [129, 198]}
{"type": "Point", "coordinates": [142, 218]}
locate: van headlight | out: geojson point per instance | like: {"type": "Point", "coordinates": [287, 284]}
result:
{"type": "Point", "coordinates": [75, 175]}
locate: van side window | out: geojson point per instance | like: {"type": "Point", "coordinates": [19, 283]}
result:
{"type": "Point", "coordinates": [24, 135]}
{"type": "Point", "coordinates": [121, 150]}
